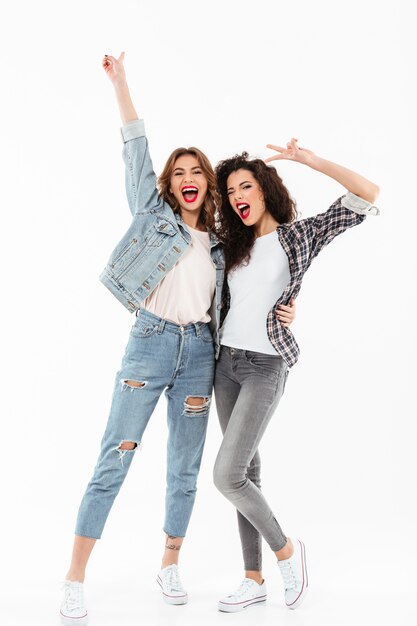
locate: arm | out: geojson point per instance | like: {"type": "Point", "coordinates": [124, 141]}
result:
{"type": "Point", "coordinates": [140, 178]}
{"type": "Point", "coordinates": [345, 212]}
{"type": "Point", "coordinates": [353, 182]}
{"type": "Point", "coordinates": [115, 70]}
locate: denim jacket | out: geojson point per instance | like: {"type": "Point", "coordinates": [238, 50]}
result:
{"type": "Point", "coordinates": [157, 237]}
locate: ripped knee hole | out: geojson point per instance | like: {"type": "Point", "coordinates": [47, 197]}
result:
{"type": "Point", "coordinates": [132, 384]}
{"type": "Point", "coordinates": [128, 445]}
{"type": "Point", "coordinates": [196, 404]}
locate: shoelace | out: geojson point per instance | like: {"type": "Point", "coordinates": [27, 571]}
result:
{"type": "Point", "coordinates": [241, 590]}
{"type": "Point", "coordinates": [173, 579]}
{"type": "Point", "coordinates": [288, 576]}
{"type": "Point", "coordinates": [73, 596]}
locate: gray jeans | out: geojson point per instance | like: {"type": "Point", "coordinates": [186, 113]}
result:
{"type": "Point", "coordinates": [248, 387]}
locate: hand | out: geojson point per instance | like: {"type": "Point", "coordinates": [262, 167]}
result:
{"type": "Point", "coordinates": [292, 152]}
{"type": "Point", "coordinates": [286, 314]}
{"type": "Point", "coordinates": [114, 67]}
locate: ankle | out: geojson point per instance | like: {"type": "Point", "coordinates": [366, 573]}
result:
{"type": "Point", "coordinates": [167, 562]}
{"type": "Point", "coordinates": [75, 577]}
{"type": "Point", "coordinates": [286, 552]}
{"type": "Point", "coordinates": [254, 575]}
{"type": "Point", "coordinates": [172, 548]}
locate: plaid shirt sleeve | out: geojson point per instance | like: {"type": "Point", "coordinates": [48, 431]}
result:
{"type": "Point", "coordinates": [345, 212]}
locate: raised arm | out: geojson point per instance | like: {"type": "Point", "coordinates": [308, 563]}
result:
{"type": "Point", "coordinates": [353, 182]}
{"type": "Point", "coordinates": [115, 71]}
{"type": "Point", "coordinates": [347, 211]}
{"type": "Point", "coordinates": [141, 190]}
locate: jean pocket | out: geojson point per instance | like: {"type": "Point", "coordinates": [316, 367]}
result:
{"type": "Point", "coordinates": [268, 363]}
{"type": "Point", "coordinates": [142, 328]}
{"type": "Point", "coordinates": [205, 334]}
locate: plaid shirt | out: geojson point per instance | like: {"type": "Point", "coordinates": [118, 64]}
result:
{"type": "Point", "coordinates": [302, 241]}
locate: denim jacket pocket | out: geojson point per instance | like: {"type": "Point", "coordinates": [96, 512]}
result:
{"type": "Point", "coordinates": [165, 227]}
{"type": "Point", "coordinates": [159, 232]}
{"type": "Point", "coordinates": [124, 251]}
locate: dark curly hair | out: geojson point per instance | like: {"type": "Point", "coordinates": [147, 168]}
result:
{"type": "Point", "coordinates": [237, 238]}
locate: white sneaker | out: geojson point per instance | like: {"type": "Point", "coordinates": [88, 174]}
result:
{"type": "Point", "coordinates": [170, 583]}
{"type": "Point", "coordinates": [294, 574]}
{"type": "Point", "coordinates": [73, 611]}
{"type": "Point", "coordinates": [247, 594]}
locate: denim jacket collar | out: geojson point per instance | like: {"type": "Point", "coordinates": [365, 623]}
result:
{"type": "Point", "coordinates": [214, 240]}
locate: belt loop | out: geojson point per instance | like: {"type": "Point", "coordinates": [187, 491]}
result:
{"type": "Point", "coordinates": [161, 326]}
{"type": "Point", "coordinates": [197, 329]}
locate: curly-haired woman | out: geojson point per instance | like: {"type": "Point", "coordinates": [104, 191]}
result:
{"type": "Point", "coordinates": [267, 253]}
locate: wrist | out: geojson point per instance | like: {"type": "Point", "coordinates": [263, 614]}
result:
{"type": "Point", "coordinates": [120, 83]}
{"type": "Point", "coordinates": [315, 162]}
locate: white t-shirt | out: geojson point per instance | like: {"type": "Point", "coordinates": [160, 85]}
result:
{"type": "Point", "coordinates": [185, 294]}
{"type": "Point", "coordinates": [254, 289]}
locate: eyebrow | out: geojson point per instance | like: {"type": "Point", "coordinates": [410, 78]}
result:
{"type": "Point", "coordinates": [240, 184]}
{"type": "Point", "coordinates": [182, 169]}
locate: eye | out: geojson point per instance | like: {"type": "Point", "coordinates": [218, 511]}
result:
{"type": "Point", "coordinates": [247, 187]}
{"type": "Point", "coordinates": [198, 172]}
{"type": "Point", "coordinates": [229, 193]}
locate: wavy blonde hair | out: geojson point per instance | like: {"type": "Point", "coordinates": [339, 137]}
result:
{"type": "Point", "coordinates": [212, 199]}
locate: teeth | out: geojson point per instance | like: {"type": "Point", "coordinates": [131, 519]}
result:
{"type": "Point", "coordinates": [189, 189]}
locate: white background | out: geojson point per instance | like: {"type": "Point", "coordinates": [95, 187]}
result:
{"type": "Point", "coordinates": [339, 455]}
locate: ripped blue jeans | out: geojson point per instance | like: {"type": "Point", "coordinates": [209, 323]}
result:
{"type": "Point", "coordinates": [160, 356]}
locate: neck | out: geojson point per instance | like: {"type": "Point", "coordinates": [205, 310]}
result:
{"type": "Point", "coordinates": [192, 219]}
{"type": "Point", "coordinates": [266, 225]}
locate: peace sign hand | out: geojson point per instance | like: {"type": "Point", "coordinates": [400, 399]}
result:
{"type": "Point", "coordinates": [292, 153]}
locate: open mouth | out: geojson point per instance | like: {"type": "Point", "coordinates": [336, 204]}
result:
{"type": "Point", "coordinates": [189, 193]}
{"type": "Point", "coordinates": [244, 209]}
